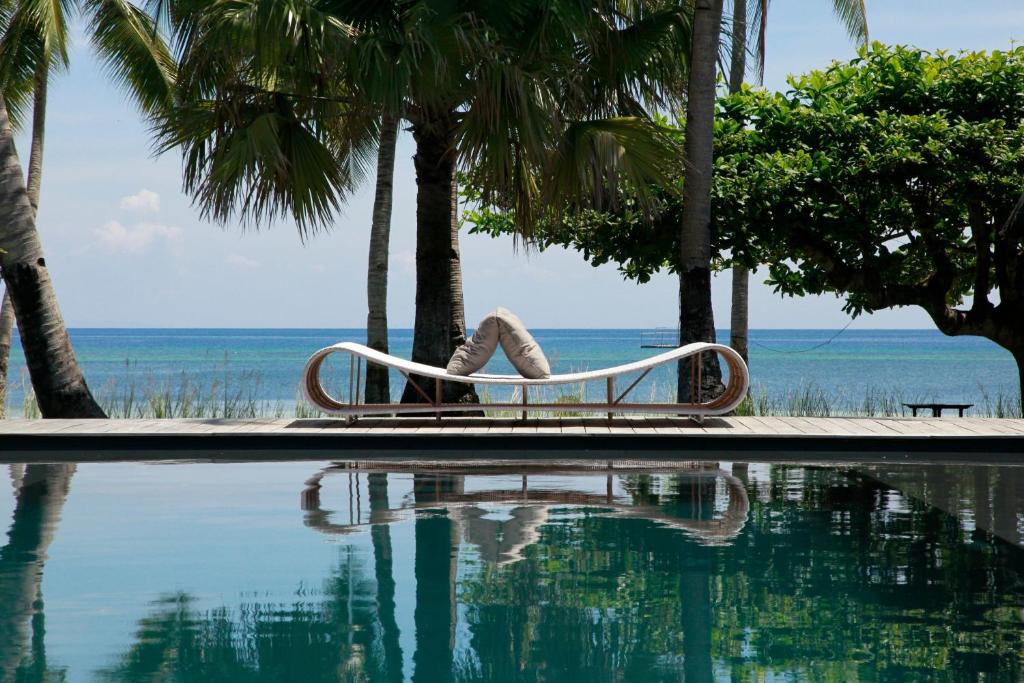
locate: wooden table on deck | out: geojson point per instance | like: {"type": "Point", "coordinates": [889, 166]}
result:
{"type": "Point", "coordinates": [937, 408]}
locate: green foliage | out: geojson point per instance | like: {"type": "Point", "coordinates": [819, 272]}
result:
{"type": "Point", "coordinates": [35, 39]}
{"type": "Point", "coordinates": [890, 180]}
{"type": "Point", "coordinates": [546, 100]}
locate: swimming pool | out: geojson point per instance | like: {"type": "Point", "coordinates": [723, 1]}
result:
{"type": "Point", "coordinates": [309, 571]}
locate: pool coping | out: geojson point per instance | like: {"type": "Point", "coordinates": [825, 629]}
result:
{"type": "Point", "coordinates": [967, 440]}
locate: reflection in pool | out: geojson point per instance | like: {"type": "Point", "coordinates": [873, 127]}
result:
{"type": "Point", "coordinates": [716, 572]}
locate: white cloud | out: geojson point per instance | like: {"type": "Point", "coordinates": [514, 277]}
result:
{"type": "Point", "coordinates": [117, 237]}
{"type": "Point", "coordinates": [143, 200]}
{"type": "Point", "coordinates": [240, 261]}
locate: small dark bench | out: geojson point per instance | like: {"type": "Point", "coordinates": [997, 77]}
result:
{"type": "Point", "coordinates": [937, 408]}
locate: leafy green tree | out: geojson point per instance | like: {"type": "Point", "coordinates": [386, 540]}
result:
{"type": "Point", "coordinates": [893, 180]}
{"type": "Point", "coordinates": [34, 43]}
{"type": "Point", "coordinates": [537, 100]}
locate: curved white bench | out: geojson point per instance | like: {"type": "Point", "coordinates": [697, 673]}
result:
{"type": "Point", "coordinates": [314, 392]}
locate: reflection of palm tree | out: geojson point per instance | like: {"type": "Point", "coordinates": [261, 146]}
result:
{"type": "Point", "coordinates": [40, 500]}
{"type": "Point", "coordinates": [695, 595]}
{"type": "Point", "coordinates": [436, 564]}
{"type": "Point", "coordinates": [383, 570]}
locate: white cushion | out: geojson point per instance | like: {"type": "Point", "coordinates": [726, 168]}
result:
{"type": "Point", "coordinates": [522, 349]}
{"type": "Point", "coordinates": [478, 349]}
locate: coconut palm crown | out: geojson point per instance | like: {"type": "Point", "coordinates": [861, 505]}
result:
{"type": "Point", "coordinates": [278, 103]}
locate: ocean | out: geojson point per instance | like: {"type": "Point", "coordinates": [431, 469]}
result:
{"type": "Point", "coordinates": [265, 364]}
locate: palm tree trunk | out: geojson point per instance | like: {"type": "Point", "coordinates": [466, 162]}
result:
{"type": "Point", "coordinates": [40, 500]}
{"type": "Point", "coordinates": [466, 392]}
{"type": "Point", "coordinates": [34, 182]}
{"type": "Point", "coordinates": [739, 320]}
{"type": "Point", "coordinates": [6, 330]}
{"type": "Point", "coordinates": [696, 317]}
{"type": "Point", "coordinates": [56, 377]}
{"type": "Point", "coordinates": [458, 324]}
{"type": "Point", "coordinates": [378, 385]}
{"type": "Point", "coordinates": [434, 134]}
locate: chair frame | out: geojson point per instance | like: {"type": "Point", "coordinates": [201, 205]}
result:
{"type": "Point", "coordinates": [420, 376]}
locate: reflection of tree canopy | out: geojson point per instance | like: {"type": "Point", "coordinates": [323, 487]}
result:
{"type": "Point", "coordinates": [823, 581]}
{"type": "Point", "coordinates": [835, 577]}
{"type": "Point", "coordinates": [318, 637]}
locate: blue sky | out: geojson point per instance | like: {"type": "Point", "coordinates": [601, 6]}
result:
{"type": "Point", "coordinates": [126, 249]}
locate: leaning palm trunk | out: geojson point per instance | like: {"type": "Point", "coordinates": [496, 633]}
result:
{"type": "Point", "coordinates": [739, 320]}
{"type": "Point", "coordinates": [6, 330]}
{"type": "Point", "coordinates": [434, 134]}
{"type": "Point", "coordinates": [378, 386]}
{"type": "Point", "coordinates": [33, 182]}
{"type": "Point", "coordinates": [696, 317]}
{"type": "Point", "coordinates": [60, 388]}
{"type": "Point", "coordinates": [40, 499]}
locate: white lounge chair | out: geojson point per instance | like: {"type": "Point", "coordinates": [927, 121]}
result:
{"type": "Point", "coordinates": [315, 393]}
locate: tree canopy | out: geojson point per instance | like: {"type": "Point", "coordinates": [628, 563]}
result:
{"type": "Point", "coordinates": [891, 180]}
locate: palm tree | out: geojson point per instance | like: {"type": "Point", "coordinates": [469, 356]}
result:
{"type": "Point", "coordinates": [378, 386]}
{"type": "Point", "coordinates": [34, 43]}
{"type": "Point", "coordinates": [6, 331]}
{"type": "Point", "coordinates": [739, 315]}
{"type": "Point", "coordinates": [56, 377]}
{"type": "Point", "coordinates": [537, 101]}
{"type": "Point", "coordinates": [853, 14]}
{"type": "Point", "coordinates": [696, 317]}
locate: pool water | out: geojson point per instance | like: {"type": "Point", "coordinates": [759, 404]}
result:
{"type": "Point", "coordinates": [704, 572]}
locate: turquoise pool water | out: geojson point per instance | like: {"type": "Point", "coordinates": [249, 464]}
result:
{"type": "Point", "coordinates": [311, 572]}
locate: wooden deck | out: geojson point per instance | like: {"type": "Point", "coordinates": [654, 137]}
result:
{"type": "Point", "coordinates": [737, 438]}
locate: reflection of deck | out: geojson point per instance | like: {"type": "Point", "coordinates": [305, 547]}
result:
{"type": "Point", "coordinates": [651, 438]}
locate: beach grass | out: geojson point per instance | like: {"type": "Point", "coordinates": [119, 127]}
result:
{"type": "Point", "coordinates": [237, 395]}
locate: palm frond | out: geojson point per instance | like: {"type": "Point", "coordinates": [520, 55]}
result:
{"type": "Point", "coordinates": [648, 58]}
{"type": "Point", "coordinates": [758, 13]}
{"type": "Point", "coordinates": [21, 55]}
{"type": "Point", "coordinates": [853, 14]}
{"type": "Point", "coordinates": [34, 39]}
{"type": "Point", "coordinates": [132, 50]}
{"type": "Point", "coordinates": [596, 161]}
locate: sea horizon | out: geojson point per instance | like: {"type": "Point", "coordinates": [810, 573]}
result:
{"type": "Point", "coordinates": [849, 369]}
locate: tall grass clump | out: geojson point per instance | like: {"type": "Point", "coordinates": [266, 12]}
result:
{"type": "Point", "coordinates": [29, 404]}
{"type": "Point", "coordinates": [182, 396]}
{"type": "Point", "coordinates": [1001, 404]}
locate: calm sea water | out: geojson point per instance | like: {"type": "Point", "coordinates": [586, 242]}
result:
{"type": "Point", "coordinates": [916, 364]}
{"type": "Point", "coordinates": [303, 572]}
